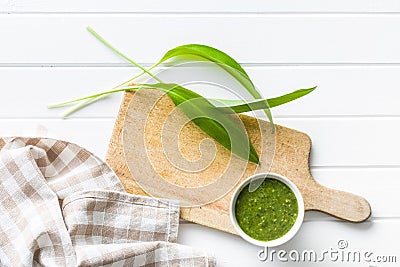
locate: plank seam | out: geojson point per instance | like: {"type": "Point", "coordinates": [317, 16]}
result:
{"type": "Point", "coordinates": [244, 64]}
{"type": "Point", "coordinates": [207, 13]}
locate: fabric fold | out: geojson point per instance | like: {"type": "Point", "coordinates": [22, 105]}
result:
{"type": "Point", "coordinates": [106, 217]}
{"type": "Point", "coordinates": [98, 223]}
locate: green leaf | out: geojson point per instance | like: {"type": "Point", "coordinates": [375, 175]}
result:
{"type": "Point", "coordinates": [222, 128]}
{"type": "Point", "coordinates": [240, 106]}
{"type": "Point", "coordinates": [107, 44]}
{"type": "Point", "coordinates": [208, 53]}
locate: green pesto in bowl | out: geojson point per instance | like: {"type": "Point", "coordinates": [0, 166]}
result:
{"type": "Point", "coordinates": [269, 212]}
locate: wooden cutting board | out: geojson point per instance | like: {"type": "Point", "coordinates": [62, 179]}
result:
{"type": "Point", "coordinates": [291, 159]}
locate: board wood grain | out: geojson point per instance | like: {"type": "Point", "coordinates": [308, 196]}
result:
{"type": "Point", "coordinates": [291, 159]}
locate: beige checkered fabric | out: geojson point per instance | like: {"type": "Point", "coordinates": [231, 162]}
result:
{"type": "Point", "coordinates": [97, 223]}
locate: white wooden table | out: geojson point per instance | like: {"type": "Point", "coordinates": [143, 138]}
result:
{"type": "Point", "coordinates": [351, 50]}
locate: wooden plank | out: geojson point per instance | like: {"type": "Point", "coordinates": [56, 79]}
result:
{"type": "Point", "coordinates": [379, 185]}
{"type": "Point", "coordinates": [336, 141]}
{"type": "Point", "coordinates": [331, 148]}
{"type": "Point", "coordinates": [91, 134]}
{"type": "Point", "coordinates": [378, 237]}
{"type": "Point", "coordinates": [94, 134]}
{"type": "Point", "coordinates": [62, 39]}
{"type": "Point", "coordinates": [181, 6]}
{"type": "Point", "coordinates": [48, 85]}
{"type": "Point", "coordinates": [343, 91]}
{"type": "Point", "coordinates": [365, 141]}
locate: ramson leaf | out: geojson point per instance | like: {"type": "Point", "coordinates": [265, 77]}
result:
{"type": "Point", "coordinates": [208, 53]}
{"type": "Point", "coordinates": [240, 106]}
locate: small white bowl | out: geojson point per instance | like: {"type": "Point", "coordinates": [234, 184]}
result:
{"type": "Point", "coordinates": [296, 226]}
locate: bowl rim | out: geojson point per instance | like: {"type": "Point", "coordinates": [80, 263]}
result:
{"type": "Point", "coordinates": [296, 226]}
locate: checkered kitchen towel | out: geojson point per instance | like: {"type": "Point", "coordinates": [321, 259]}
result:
{"type": "Point", "coordinates": [62, 206]}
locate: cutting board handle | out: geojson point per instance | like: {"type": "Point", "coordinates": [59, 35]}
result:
{"type": "Point", "coordinates": [337, 203]}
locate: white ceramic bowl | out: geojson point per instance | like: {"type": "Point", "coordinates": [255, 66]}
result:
{"type": "Point", "coordinates": [296, 226]}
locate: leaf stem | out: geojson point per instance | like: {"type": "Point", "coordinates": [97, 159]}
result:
{"type": "Point", "coordinates": [101, 39]}
{"type": "Point", "coordinates": [87, 102]}
{"type": "Point", "coordinates": [81, 105]}
{"type": "Point", "coordinates": [121, 89]}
